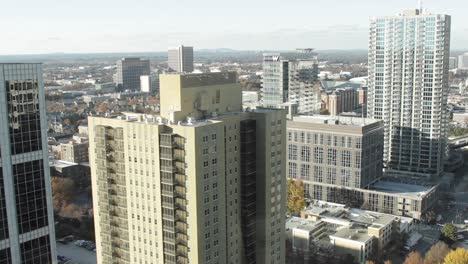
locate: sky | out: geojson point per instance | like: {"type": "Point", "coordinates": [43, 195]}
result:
{"type": "Point", "coordinates": [95, 26]}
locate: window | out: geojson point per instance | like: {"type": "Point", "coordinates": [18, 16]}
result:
{"type": "Point", "coordinates": [305, 153]}
{"type": "Point", "coordinates": [213, 136]}
{"type": "Point", "coordinates": [305, 172]}
{"type": "Point", "coordinates": [292, 152]}
{"type": "Point", "coordinates": [205, 151]}
{"type": "Point", "coordinates": [346, 158]}
{"type": "Point", "coordinates": [331, 156]}
{"type": "Point", "coordinates": [318, 155]}
{"type": "Point", "coordinates": [292, 170]}
{"type": "Point", "coordinates": [331, 175]}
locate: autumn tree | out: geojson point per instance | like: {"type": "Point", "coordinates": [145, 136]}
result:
{"type": "Point", "coordinates": [449, 233]}
{"type": "Point", "coordinates": [103, 107]}
{"type": "Point", "coordinates": [62, 191]}
{"type": "Point", "coordinates": [457, 256]}
{"type": "Point", "coordinates": [436, 253]}
{"type": "Point", "coordinates": [296, 200]}
{"type": "Point", "coordinates": [414, 258]}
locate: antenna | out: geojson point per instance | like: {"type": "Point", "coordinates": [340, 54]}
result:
{"type": "Point", "coordinates": [420, 6]}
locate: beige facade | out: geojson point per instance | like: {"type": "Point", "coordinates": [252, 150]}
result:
{"type": "Point", "coordinates": [76, 152]}
{"type": "Point", "coordinates": [202, 183]}
{"type": "Point", "coordinates": [340, 100]}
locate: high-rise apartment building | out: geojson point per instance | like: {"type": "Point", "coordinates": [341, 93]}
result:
{"type": "Point", "coordinates": [340, 100]}
{"type": "Point", "coordinates": [26, 215]}
{"type": "Point", "coordinates": [129, 71]}
{"type": "Point", "coordinates": [408, 87]}
{"type": "Point", "coordinates": [291, 77]}
{"type": "Point", "coordinates": [202, 183]}
{"type": "Point", "coordinates": [180, 59]}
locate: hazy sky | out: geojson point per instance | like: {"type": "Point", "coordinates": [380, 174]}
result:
{"type": "Point", "coordinates": [46, 26]}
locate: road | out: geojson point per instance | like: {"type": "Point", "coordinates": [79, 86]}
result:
{"type": "Point", "coordinates": [76, 254]}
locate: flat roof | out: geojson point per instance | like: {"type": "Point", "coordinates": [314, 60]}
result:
{"type": "Point", "coordinates": [335, 120]}
{"type": "Point", "coordinates": [402, 189]}
{"type": "Point", "coordinates": [355, 234]}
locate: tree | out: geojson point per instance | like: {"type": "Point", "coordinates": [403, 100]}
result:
{"type": "Point", "coordinates": [62, 191]}
{"type": "Point", "coordinates": [436, 253]}
{"type": "Point", "coordinates": [457, 256]}
{"type": "Point", "coordinates": [324, 112]}
{"type": "Point", "coordinates": [103, 107]}
{"type": "Point", "coordinates": [449, 233]}
{"type": "Point", "coordinates": [296, 200]}
{"type": "Point", "coordinates": [414, 258]}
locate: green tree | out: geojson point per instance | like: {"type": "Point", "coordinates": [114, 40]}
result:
{"type": "Point", "coordinates": [296, 200]}
{"type": "Point", "coordinates": [449, 233]}
{"type": "Point", "coordinates": [457, 256]}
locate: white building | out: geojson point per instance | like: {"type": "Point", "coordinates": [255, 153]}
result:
{"type": "Point", "coordinates": [408, 88]}
{"type": "Point", "coordinates": [180, 59]}
{"type": "Point", "coordinates": [463, 61]}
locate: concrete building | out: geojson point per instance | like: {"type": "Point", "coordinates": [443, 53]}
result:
{"type": "Point", "coordinates": [362, 94]}
{"type": "Point", "coordinates": [75, 151]}
{"type": "Point", "coordinates": [340, 100]}
{"type": "Point", "coordinates": [339, 159]}
{"type": "Point", "coordinates": [463, 61]}
{"type": "Point", "coordinates": [105, 87]}
{"type": "Point", "coordinates": [204, 182]}
{"type": "Point", "coordinates": [149, 83]}
{"type": "Point", "coordinates": [180, 59]}
{"type": "Point", "coordinates": [408, 90]}
{"type": "Point", "coordinates": [291, 78]}
{"type": "Point", "coordinates": [453, 63]}
{"type": "Point", "coordinates": [26, 214]}
{"type": "Point", "coordinates": [347, 230]}
{"type": "Point", "coordinates": [129, 71]}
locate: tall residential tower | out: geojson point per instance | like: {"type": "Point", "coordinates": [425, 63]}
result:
{"type": "Point", "coordinates": [204, 182]}
{"type": "Point", "coordinates": [26, 215]}
{"type": "Point", "coordinates": [180, 59]}
{"type": "Point", "coordinates": [408, 87]}
{"type": "Point", "coordinates": [291, 78]}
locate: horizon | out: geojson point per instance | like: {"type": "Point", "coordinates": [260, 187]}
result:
{"type": "Point", "coordinates": [106, 26]}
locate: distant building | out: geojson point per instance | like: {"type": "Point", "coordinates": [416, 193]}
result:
{"type": "Point", "coordinates": [408, 90]}
{"type": "Point", "coordinates": [105, 87]}
{"type": "Point", "coordinates": [463, 61]}
{"type": "Point", "coordinates": [180, 59]}
{"type": "Point", "coordinates": [340, 100]}
{"type": "Point", "coordinates": [362, 94]}
{"type": "Point", "coordinates": [129, 71]}
{"type": "Point", "coordinates": [291, 78]}
{"type": "Point", "coordinates": [453, 63]}
{"type": "Point", "coordinates": [149, 83]}
{"type": "Point", "coordinates": [75, 151]}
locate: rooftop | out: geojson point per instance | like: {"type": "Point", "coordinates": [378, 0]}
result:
{"type": "Point", "coordinates": [402, 189]}
{"type": "Point", "coordinates": [356, 234]}
{"type": "Point", "coordinates": [335, 120]}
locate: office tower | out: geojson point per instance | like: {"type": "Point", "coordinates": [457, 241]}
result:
{"type": "Point", "coordinates": [463, 61]}
{"type": "Point", "coordinates": [339, 159]}
{"type": "Point", "coordinates": [408, 87]}
{"type": "Point", "coordinates": [180, 59]}
{"type": "Point", "coordinates": [291, 77]}
{"type": "Point", "coordinates": [26, 215]}
{"type": "Point", "coordinates": [202, 183]}
{"type": "Point", "coordinates": [129, 71]}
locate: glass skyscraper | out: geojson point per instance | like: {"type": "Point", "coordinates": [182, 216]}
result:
{"type": "Point", "coordinates": [408, 87]}
{"type": "Point", "coordinates": [26, 215]}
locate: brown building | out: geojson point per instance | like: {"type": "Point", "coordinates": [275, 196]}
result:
{"type": "Point", "coordinates": [340, 100]}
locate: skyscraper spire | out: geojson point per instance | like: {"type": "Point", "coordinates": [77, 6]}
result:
{"type": "Point", "coordinates": [420, 6]}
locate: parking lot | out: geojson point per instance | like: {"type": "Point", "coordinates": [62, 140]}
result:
{"type": "Point", "coordinates": [77, 255]}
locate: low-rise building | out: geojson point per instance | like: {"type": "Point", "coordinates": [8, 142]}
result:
{"type": "Point", "coordinates": [75, 151]}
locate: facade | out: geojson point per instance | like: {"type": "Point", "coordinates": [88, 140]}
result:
{"type": "Point", "coordinates": [75, 151]}
{"type": "Point", "coordinates": [463, 61]}
{"type": "Point", "coordinates": [291, 78]}
{"type": "Point", "coordinates": [202, 183]}
{"type": "Point", "coordinates": [129, 71]}
{"type": "Point", "coordinates": [180, 59]}
{"type": "Point", "coordinates": [26, 214]}
{"type": "Point", "coordinates": [149, 83]}
{"type": "Point", "coordinates": [340, 100]}
{"type": "Point", "coordinates": [339, 159]}
{"type": "Point", "coordinates": [362, 94]}
{"type": "Point", "coordinates": [408, 88]}
{"type": "Point", "coordinates": [453, 63]}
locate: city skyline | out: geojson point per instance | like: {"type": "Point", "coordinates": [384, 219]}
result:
{"type": "Point", "coordinates": [136, 28]}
